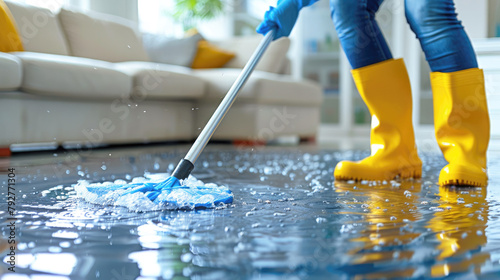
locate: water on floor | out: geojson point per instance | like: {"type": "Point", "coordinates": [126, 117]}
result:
{"type": "Point", "coordinates": [289, 220]}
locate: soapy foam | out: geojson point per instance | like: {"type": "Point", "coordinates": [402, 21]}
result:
{"type": "Point", "coordinates": [189, 194]}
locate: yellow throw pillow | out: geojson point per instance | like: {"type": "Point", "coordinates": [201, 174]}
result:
{"type": "Point", "coordinates": [210, 56]}
{"type": "Point", "coordinates": [191, 32]}
{"type": "Point", "coordinates": [9, 38]}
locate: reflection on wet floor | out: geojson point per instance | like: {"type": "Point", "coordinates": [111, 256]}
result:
{"type": "Point", "coordinates": [454, 234]}
{"type": "Point", "coordinates": [289, 220]}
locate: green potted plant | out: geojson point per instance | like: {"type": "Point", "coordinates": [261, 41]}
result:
{"type": "Point", "coordinates": [190, 12]}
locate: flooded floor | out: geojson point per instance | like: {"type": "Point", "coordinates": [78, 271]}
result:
{"type": "Point", "coordinates": [289, 220]}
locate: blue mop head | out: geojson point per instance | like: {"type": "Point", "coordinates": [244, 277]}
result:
{"type": "Point", "coordinates": [155, 192]}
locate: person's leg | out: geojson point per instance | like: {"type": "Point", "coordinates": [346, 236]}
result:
{"type": "Point", "coordinates": [358, 32]}
{"type": "Point", "coordinates": [461, 119]}
{"type": "Point", "coordinates": [443, 39]}
{"type": "Point", "coordinates": [384, 85]}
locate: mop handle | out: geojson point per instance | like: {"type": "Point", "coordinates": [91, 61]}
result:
{"type": "Point", "coordinates": [228, 100]}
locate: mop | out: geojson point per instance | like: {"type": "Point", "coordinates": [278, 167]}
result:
{"type": "Point", "coordinates": [179, 190]}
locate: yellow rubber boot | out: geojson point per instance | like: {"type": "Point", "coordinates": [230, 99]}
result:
{"type": "Point", "coordinates": [462, 126]}
{"type": "Point", "coordinates": [385, 88]}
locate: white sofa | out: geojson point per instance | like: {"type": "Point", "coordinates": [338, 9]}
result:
{"type": "Point", "coordinates": [86, 79]}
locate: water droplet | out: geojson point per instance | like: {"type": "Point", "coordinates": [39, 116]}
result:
{"type": "Point", "coordinates": [55, 249]}
{"type": "Point", "coordinates": [436, 209]}
{"type": "Point", "coordinates": [65, 244]}
{"type": "Point", "coordinates": [321, 220]}
{"type": "Point", "coordinates": [407, 194]}
{"type": "Point", "coordinates": [186, 257]}
{"type": "Point", "coordinates": [104, 167]}
{"type": "Point", "coordinates": [22, 246]}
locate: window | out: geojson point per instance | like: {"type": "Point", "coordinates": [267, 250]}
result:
{"type": "Point", "coordinates": [154, 18]}
{"type": "Point", "coordinates": [257, 8]}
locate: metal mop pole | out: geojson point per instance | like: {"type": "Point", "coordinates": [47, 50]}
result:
{"type": "Point", "coordinates": [186, 165]}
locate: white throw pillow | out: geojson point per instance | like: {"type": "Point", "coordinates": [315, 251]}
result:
{"type": "Point", "coordinates": [39, 29]}
{"type": "Point", "coordinates": [170, 50]}
{"type": "Point", "coordinates": [103, 37]}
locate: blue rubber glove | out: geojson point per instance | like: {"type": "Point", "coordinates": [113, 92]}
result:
{"type": "Point", "coordinates": [283, 17]}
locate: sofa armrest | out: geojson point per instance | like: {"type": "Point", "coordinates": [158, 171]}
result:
{"type": "Point", "coordinates": [273, 60]}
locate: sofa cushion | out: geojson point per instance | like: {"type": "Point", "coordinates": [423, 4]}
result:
{"type": "Point", "coordinates": [175, 51]}
{"type": "Point", "coordinates": [10, 72]}
{"type": "Point", "coordinates": [40, 29]}
{"type": "Point", "coordinates": [103, 37]}
{"type": "Point", "coordinates": [156, 80]}
{"type": "Point", "coordinates": [9, 37]}
{"type": "Point", "coordinates": [67, 76]}
{"type": "Point", "coordinates": [272, 61]}
{"type": "Point", "coordinates": [262, 87]}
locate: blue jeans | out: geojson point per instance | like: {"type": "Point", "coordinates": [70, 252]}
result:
{"type": "Point", "coordinates": [443, 39]}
